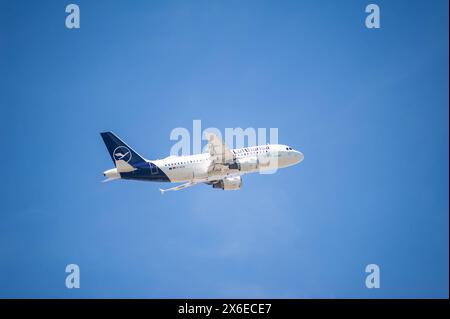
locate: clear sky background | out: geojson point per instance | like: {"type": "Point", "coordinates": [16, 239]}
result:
{"type": "Point", "coordinates": [368, 108]}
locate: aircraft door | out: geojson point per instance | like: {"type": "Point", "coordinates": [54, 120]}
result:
{"type": "Point", "coordinates": [153, 169]}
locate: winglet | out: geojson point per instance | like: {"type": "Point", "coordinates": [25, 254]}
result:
{"type": "Point", "coordinates": [162, 191]}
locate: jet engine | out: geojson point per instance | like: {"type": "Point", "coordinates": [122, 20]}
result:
{"type": "Point", "coordinates": [229, 183]}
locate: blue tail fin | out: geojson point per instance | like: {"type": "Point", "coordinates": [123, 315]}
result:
{"type": "Point", "coordinates": [118, 150]}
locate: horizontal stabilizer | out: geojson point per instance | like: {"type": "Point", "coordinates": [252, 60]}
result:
{"type": "Point", "coordinates": [109, 179]}
{"type": "Point", "coordinates": [124, 167]}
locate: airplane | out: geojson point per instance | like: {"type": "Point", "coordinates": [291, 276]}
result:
{"type": "Point", "coordinates": [220, 167]}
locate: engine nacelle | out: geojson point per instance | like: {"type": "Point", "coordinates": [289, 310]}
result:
{"type": "Point", "coordinates": [229, 183]}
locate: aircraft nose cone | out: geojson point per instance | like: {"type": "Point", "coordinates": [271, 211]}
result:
{"type": "Point", "coordinates": [299, 156]}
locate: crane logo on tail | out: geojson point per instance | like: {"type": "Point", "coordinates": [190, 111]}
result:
{"type": "Point", "coordinates": [122, 153]}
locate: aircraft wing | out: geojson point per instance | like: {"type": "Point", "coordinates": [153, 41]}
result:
{"type": "Point", "coordinates": [186, 185]}
{"type": "Point", "coordinates": [206, 180]}
{"type": "Point", "coordinates": [220, 153]}
{"type": "Point", "coordinates": [177, 188]}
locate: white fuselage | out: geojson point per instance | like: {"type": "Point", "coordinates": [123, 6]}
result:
{"type": "Point", "coordinates": [251, 159]}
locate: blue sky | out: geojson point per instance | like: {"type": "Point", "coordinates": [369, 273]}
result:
{"type": "Point", "coordinates": [368, 108]}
